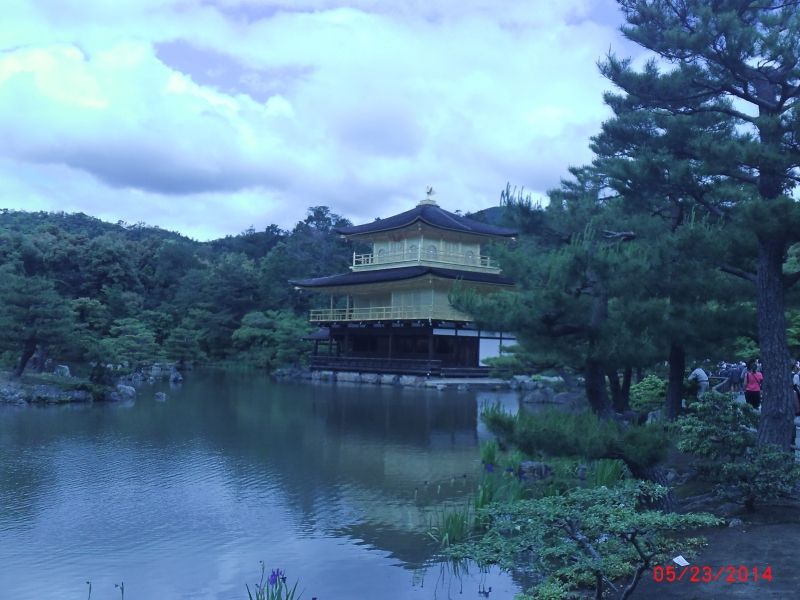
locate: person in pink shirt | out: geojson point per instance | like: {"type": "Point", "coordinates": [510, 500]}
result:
{"type": "Point", "coordinates": [752, 385]}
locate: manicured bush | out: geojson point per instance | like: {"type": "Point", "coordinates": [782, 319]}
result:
{"type": "Point", "coordinates": [601, 539]}
{"type": "Point", "coordinates": [721, 434]}
{"type": "Point", "coordinates": [648, 394]}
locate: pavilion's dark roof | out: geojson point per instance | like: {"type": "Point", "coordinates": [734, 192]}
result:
{"type": "Point", "coordinates": [399, 274]}
{"type": "Point", "coordinates": [434, 216]}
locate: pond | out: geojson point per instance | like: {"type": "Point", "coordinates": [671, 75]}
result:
{"type": "Point", "coordinates": [334, 484]}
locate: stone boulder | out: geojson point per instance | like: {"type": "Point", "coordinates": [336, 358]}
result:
{"type": "Point", "coordinates": [388, 379]}
{"type": "Point", "coordinates": [62, 371]}
{"type": "Point", "coordinates": [573, 399]}
{"type": "Point", "coordinates": [175, 377]}
{"type": "Point", "coordinates": [532, 470]}
{"type": "Point", "coordinates": [372, 378]}
{"type": "Point", "coordinates": [542, 395]}
{"type": "Point", "coordinates": [294, 373]}
{"type": "Point", "coordinates": [735, 523]}
{"type": "Point", "coordinates": [325, 375]}
{"type": "Point", "coordinates": [160, 397]}
{"type": "Point", "coordinates": [126, 392]}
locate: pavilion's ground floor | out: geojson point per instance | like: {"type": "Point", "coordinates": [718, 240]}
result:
{"type": "Point", "coordinates": [408, 347]}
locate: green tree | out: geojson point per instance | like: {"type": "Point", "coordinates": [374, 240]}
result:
{"type": "Point", "coordinates": [739, 59]}
{"type": "Point", "coordinates": [183, 344]}
{"type": "Point", "coordinates": [130, 342]}
{"type": "Point", "coordinates": [271, 339]}
{"type": "Point", "coordinates": [92, 320]}
{"type": "Point", "coordinates": [32, 314]}
{"type": "Point", "coordinates": [680, 213]}
{"type": "Point", "coordinates": [578, 300]}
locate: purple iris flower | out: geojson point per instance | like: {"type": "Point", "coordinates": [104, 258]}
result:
{"type": "Point", "coordinates": [275, 576]}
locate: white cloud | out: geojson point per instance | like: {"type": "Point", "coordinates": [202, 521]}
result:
{"type": "Point", "coordinates": [358, 105]}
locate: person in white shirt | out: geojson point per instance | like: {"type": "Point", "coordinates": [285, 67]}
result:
{"type": "Point", "coordinates": [702, 380]}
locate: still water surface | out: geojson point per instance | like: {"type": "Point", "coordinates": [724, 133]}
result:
{"type": "Point", "coordinates": [182, 499]}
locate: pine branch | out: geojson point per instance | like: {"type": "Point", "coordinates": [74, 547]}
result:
{"type": "Point", "coordinates": [746, 275]}
{"type": "Point", "coordinates": [731, 112]}
{"type": "Point", "coordinates": [643, 566]}
{"type": "Point", "coordinates": [624, 236]}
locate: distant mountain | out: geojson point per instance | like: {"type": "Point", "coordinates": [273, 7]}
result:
{"type": "Point", "coordinates": [494, 215]}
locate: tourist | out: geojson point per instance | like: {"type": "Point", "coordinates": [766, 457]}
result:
{"type": "Point", "coordinates": [752, 385]}
{"type": "Point", "coordinates": [735, 376]}
{"type": "Point", "coordinates": [796, 387]}
{"type": "Point", "coordinates": [702, 380]}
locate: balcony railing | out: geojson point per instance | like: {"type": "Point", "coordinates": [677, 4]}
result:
{"type": "Point", "coordinates": [386, 313]}
{"type": "Point", "coordinates": [419, 256]}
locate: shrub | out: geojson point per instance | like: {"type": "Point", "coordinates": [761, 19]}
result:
{"type": "Point", "coordinates": [450, 526]}
{"type": "Point", "coordinates": [489, 452]}
{"type": "Point", "coordinates": [717, 430]}
{"type": "Point", "coordinates": [765, 474]}
{"type": "Point", "coordinates": [497, 420]}
{"type": "Point", "coordinates": [721, 434]}
{"type": "Point", "coordinates": [578, 435]}
{"type": "Point", "coordinates": [583, 539]}
{"type": "Point", "coordinates": [606, 472]}
{"type": "Point", "coordinates": [648, 394]}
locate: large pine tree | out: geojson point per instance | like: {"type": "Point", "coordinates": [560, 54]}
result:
{"type": "Point", "coordinates": [740, 59]}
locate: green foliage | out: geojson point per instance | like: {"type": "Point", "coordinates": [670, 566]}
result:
{"type": "Point", "coordinates": [606, 472]}
{"type": "Point", "coordinates": [508, 365]}
{"type": "Point", "coordinates": [32, 314]}
{"type": "Point", "coordinates": [489, 452]}
{"type": "Point", "coordinates": [67, 280]}
{"type": "Point", "coordinates": [583, 539]}
{"type": "Point", "coordinates": [745, 349]}
{"type": "Point", "coordinates": [130, 342]}
{"type": "Point", "coordinates": [648, 394]}
{"type": "Point", "coordinates": [511, 460]}
{"type": "Point", "coordinates": [500, 486]}
{"type": "Point", "coordinates": [498, 420]}
{"type": "Point", "coordinates": [452, 525]}
{"type": "Point", "coordinates": [721, 434]}
{"type": "Point", "coordinates": [183, 344]}
{"type": "Point", "coordinates": [717, 430]}
{"type": "Point", "coordinates": [271, 339]}
{"type": "Point", "coordinates": [578, 435]}
{"type": "Point", "coordinates": [765, 474]}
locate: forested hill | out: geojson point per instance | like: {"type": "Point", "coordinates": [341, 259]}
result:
{"type": "Point", "coordinates": [83, 290]}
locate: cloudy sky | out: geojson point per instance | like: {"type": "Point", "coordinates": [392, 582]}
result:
{"type": "Point", "coordinates": [208, 116]}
